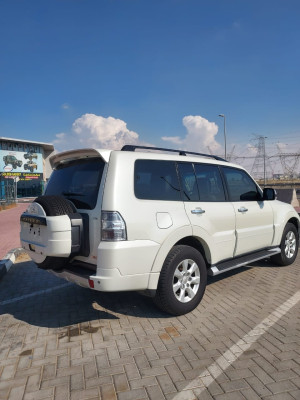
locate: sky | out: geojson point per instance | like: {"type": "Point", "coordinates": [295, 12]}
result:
{"type": "Point", "coordinates": [81, 73]}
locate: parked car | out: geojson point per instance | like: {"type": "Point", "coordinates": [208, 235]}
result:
{"type": "Point", "coordinates": [13, 161]}
{"type": "Point", "coordinates": [154, 220]}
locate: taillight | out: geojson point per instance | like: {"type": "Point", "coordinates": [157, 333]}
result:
{"type": "Point", "coordinates": [113, 227]}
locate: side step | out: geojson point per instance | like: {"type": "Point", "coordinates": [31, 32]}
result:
{"type": "Point", "coordinates": [241, 261]}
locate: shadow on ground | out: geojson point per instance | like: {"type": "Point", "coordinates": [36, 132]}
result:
{"type": "Point", "coordinates": [41, 299]}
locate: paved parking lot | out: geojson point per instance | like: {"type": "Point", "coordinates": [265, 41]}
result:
{"type": "Point", "coordinates": [61, 341]}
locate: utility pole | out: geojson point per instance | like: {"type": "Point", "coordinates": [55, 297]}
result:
{"type": "Point", "coordinates": [223, 116]}
{"type": "Point", "coordinates": [264, 141]}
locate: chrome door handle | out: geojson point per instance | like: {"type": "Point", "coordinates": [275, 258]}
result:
{"type": "Point", "coordinates": [243, 209]}
{"type": "Point", "coordinates": [198, 211]}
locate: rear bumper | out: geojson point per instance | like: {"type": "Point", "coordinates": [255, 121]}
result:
{"type": "Point", "coordinates": [121, 266]}
{"type": "Point", "coordinates": [110, 280]}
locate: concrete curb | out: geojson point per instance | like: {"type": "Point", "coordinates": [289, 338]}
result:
{"type": "Point", "coordinates": [9, 260]}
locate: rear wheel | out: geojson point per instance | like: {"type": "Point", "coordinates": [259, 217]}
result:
{"type": "Point", "coordinates": [54, 206]}
{"type": "Point", "coordinates": [182, 281]}
{"type": "Point", "coordinates": [289, 246]}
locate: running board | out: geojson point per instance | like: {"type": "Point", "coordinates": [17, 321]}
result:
{"type": "Point", "coordinates": [241, 261]}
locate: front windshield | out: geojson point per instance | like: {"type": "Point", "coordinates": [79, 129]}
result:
{"type": "Point", "coordinates": [77, 181]}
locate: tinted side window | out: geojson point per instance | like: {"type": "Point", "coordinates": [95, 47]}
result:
{"type": "Point", "coordinates": [188, 182]}
{"type": "Point", "coordinates": [240, 186]}
{"type": "Point", "coordinates": [209, 182]}
{"type": "Point", "coordinates": [156, 180]}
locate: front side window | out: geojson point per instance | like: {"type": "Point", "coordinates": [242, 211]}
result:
{"type": "Point", "coordinates": [240, 185]}
{"type": "Point", "coordinates": [77, 181]}
{"type": "Point", "coordinates": [156, 180]}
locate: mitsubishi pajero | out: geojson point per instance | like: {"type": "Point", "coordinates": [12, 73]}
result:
{"type": "Point", "coordinates": [154, 220]}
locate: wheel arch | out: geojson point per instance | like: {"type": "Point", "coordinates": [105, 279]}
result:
{"type": "Point", "coordinates": [295, 222]}
{"type": "Point", "coordinates": [183, 235]}
{"type": "Point", "coordinates": [179, 239]}
{"type": "Point", "coordinates": [282, 217]}
{"type": "Point", "coordinates": [198, 244]}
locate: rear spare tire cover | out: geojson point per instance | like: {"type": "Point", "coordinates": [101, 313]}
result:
{"type": "Point", "coordinates": [54, 206]}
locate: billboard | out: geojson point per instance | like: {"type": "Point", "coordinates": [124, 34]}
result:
{"type": "Point", "coordinates": [25, 165]}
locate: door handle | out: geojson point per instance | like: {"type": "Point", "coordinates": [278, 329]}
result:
{"type": "Point", "coordinates": [243, 209]}
{"type": "Point", "coordinates": [198, 211]}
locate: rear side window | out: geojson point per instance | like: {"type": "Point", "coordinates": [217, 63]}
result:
{"type": "Point", "coordinates": [240, 186]}
{"type": "Point", "coordinates": [156, 180]}
{"type": "Point", "coordinates": [188, 182]}
{"type": "Point", "coordinates": [209, 182]}
{"type": "Point", "coordinates": [77, 181]}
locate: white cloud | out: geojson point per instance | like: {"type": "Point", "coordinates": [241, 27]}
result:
{"type": "Point", "coordinates": [65, 106]}
{"type": "Point", "coordinates": [60, 139]}
{"type": "Point", "coordinates": [173, 139]}
{"type": "Point", "coordinates": [96, 131]}
{"type": "Point", "coordinates": [60, 136]}
{"type": "Point", "coordinates": [91, 130]}
{"type": "Point", "coordinates": [200, 135]}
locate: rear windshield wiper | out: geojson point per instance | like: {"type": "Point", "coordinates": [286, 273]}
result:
{"type": "Point", "coordinates": [72, 194]}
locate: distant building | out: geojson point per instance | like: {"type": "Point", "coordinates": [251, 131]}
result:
{"type": "Point", "coordinates": [24, 167]}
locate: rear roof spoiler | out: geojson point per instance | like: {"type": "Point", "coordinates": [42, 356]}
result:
{"type": "Point", "coordinates": [70, 155]}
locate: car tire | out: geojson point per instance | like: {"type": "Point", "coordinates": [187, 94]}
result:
{"type": "Point", "coordinates": [54, 206]}
{"type": "Point", "coordinates": [182, 281]}
{"type": "Point", "coordinates": [289, 246]}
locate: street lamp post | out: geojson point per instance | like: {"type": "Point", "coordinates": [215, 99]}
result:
{"type": "Point", "coordinates": [223, 116]}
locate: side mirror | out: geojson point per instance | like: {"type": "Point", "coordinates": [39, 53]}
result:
{"type": "Point", "coordinates": [269, 194]}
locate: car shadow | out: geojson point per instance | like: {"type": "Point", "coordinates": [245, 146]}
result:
{"type": "Point", "coordinates": [42, 299]}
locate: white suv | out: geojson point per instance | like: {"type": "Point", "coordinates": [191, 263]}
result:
{"type": "Point", "coordinates": [154, 220]}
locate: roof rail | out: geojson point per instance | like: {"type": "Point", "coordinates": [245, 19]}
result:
{"type": "Point", "coordinates": [129, 147]}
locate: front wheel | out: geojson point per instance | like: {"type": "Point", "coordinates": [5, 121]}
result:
{"type": "Point", "coordinates": [182, 281]}
{"type": "Point", "coordinates": [289, 246]}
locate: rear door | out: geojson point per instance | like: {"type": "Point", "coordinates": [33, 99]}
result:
{"type": "Point", "coordinates": [212, 217]}
{"type": "Point", "coordinates": [254, 217]}
{"type": "Point", "coordinates": [79, 181]}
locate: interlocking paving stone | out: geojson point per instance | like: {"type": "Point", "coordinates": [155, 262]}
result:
{"type": "Point", "coordinates": [72, 343]}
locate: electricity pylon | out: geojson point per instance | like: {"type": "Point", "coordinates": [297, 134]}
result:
{"type": "Point", "coordinates": [289, 168]}
{"type": "Point", "coordinates": [261, 164]}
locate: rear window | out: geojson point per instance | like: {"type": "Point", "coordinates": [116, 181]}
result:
{"type": "Point", "coordinates": [77, 181]}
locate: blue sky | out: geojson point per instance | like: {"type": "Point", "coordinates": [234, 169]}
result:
{"type": "Point", "coordinates": [67, 66]}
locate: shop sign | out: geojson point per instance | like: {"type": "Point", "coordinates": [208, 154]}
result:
{"type": "Point", "coordinates": [23, 176]}
{"type": "Point", "coordinates": [20, 161]}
